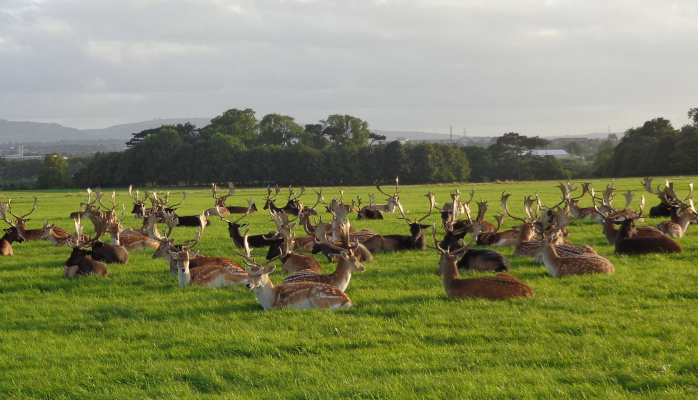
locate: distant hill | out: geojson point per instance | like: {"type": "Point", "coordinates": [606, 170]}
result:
{"type": "Point", "coordinates": [23, 132]}
{"type": "Point", "coordinates": [16, 131]}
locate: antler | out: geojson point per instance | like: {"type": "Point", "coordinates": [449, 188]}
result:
{"type": "Point", "coordinates": [23, 216]}
{"type": "Point", "coordinates": [505, 198]}
{"type": "Point", "coordinates": [3, 212]}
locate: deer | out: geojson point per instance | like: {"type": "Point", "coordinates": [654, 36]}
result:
{"type": "Point", "coordinates": [562, 246]}
{"type": "Point", "coordinates": [81, 261]}
{"type": "Point", "coordinates": [669, 200]}
{"type": "Point", "coordinates": [161, 205]}
{"type": "Point", "coordinates": [514, 237]}
{"type": "Point", "coordinates": [20, 222]}
{"type": "Point", "coordinates": [498, 287]}
{"type": "Point", "coordinates": [300, 295]}
{"type": "Point", "coordinates": [347, 263]}
{"type": "Point", "coordinates": [129, 242]}
{"type": "Point", "coordinates": [167, 245]}
{"type": "Point", "coordinates": [611, 232]}
{"type": "Point", "coordinates": [392, 199]}
{"type": "Point", "coordinates": [475, 259]}
{"type": "Point", "coordinates": [330, 247]}
{"type": "Point", "coordinates": [12, 234]}
{"type": "Point", "coordinates": [56, 235]}
{"type": "Point", "coordinates": [676, 228]}
{"type": "Point", "coordinates": [291, 206]}
{"type": "Point", "coordinates": [292, 262]}
{"type": "Point", "coordinates": [415, 241]}
{"type": "Point", "coordinates": [256, 241]}
{"type": "Point", "coordinates": [101, 251]}
{"type": "Point", "coordinates": [571, 265]}
{"type": "Point", "coordinates": [572, 203]}
{"type": "Point", "coordinates": [223, 210]}
{"type": "Point", "coordinates": [627, 242]}
{"type": "Point", "coordinates": [367, 212]}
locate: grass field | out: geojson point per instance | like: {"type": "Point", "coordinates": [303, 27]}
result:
{"type": "Point", "coordinates": [137, 335]}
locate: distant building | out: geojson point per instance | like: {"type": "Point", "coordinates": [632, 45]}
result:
{"type": "Point", "coordinates": [557, 153]}
{"type": "Point", "coordinates": [21, 157]}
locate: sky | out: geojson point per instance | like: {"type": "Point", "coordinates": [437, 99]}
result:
{"type": "Point", "coordinates": [483, 67]}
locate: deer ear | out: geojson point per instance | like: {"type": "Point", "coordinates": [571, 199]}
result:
{"type": "Point", "coordinates": [270, 269]}
{"type": "Point", "coordinates": [193, 254]}
{"type": "Point", "coordinates": [344, 254]}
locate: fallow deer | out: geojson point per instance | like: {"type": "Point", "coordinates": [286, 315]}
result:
{"type": "Point", "coordinates": [81, 261]}
{"type": "Point", "coordinates": [571, 265]}
{"type": "Point", "coordinates": [612, 218]}
{"type": "Point", "coordinates": [515, 236]}
{"type": "Point", "coordinates": [626, 241]}
{"type": "Point", "coordinates": [475, 259]}
{"type": "Point", "coordinates": [256, 241]}
{"type": "Point", "coordinates": [56, 235]}
{"type": "Point", "coordinates": [392, 199]}
{"type": "Point", "coordinates": [12, 234]}
{"type": "Point", "coordinates": [676, 228]}
{"type": "Point", "coordinates": [206, 275]}
{"type": "Point", "coordinates": [301, 295]}
{"type": "Point", "coordinates": [20, 222]}
{"type": "Point", "coordinates": [222, 210]}
{"type": "Point", "coordinates": [347, 263]}
{"type": "Point", "coordinates": [498, 287]}
{"type": "Point", "coordinates": [325, 245]}
{"type": "Point", "coordinates": [415, 241]}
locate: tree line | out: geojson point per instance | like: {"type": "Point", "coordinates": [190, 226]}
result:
{"type": "Point", "coordinates": [341, 150]}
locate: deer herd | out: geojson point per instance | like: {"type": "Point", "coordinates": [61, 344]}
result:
{"type": "Point", "coordinates": [542, 235]}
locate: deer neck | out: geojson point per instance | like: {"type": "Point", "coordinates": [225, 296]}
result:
{"type": "Point", "coordinates": [266, 293]}
{"type": "Point", "coordinates": [550, 258]}
{"type": "Point", "coordinates": [5, 246]}
{"type": "Point", "coordinates": [449, 270]}
{"type": "Point", "coordinates": [184, 275]}
{"type": "Point", "coordinates": [609, 230]}
{"type": "Point", "coordinates": [683, 220]}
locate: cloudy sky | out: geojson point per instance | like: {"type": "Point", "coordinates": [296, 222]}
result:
{"type": "Point", "coordinates": [486, 66]}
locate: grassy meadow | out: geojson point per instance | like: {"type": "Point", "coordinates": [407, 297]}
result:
{"type": "Point", "coordinates": [137, 335]}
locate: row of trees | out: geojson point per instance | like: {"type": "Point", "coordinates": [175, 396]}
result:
{"type": "Point", "coordinates": [341, 150]}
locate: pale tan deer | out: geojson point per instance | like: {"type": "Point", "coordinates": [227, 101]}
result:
{"type": "Point", "coordinates": [206, 275]}
{"type": "Point", "coordinates": [676, 228]}
{"type": "Point", "coordinates": [573, 265]}
{"type": "Point", "coordinates": [293, 295]}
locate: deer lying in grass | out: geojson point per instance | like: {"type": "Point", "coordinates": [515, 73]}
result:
{"type": "Point", "coordinates": [571, 265]}
{"type": "Point", "coordinates": [627, 242]}
{"type": "Point", "coordinates": [81, 261]}
{"type": "Point", "coordinates": [20, 222]}
{"type": "Point", "coordinates": [328, 247]}
{"type": "Point", "coordinates": [11, 235]}
{"type": "Point", "coordinates": [206, 275]}
{"type": "Point", "coordinates": [347, 263]}
{"type": "Point", "coordinates": [222, 210]}
{"type": "Point", "coordinates": [415, 241]}
{"type": "Point", "coordinates": [293, 295]}
{"type": "Point", "coordinates": [256, 241]}
{"type": "Point", "coordinates": [498, 287]}
{"type": "Point", "coordinates": [684, 216]}
{"type": "Point", "coordinates": [167, 246]}
{"type": "Point", "coordinates": [475, 259]}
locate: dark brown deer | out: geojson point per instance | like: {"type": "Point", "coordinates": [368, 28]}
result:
{"type": "Point", "coordinates": [475, 259]}
{"type": "Point", "coordinates": [21, 220]}
{"type": "Point", "coordinates": [416, 240]}
{"type": "Point", "coordinates": [627, 243]}
{"type": "Point", "coordinates": [11, 235]}
{"type": "Point", "coordinates": [81, 261]}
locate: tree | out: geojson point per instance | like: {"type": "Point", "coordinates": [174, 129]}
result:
{"type": "Point", "coordinates": [693, 115]}
{"type": "Point", "coordinates": [54, 173]}
{"type": "Point", "coordinates": [239, 124]}
{"type": "Point", "coordinates": [573, 148]}
{"type": "Point", "coordinates": [509, 151]}
{"type": "Point", "coordinates": [280, 130]}
{"type": "Point", "coordinates": [346, 131]}
{"type": "Point", "coordinates": [645, 151]}
{"type": "Point", "coordinates": [480, 160]}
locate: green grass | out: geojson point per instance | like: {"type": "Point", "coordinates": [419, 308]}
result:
{"type": "Point", "coordinates": [137, 334]}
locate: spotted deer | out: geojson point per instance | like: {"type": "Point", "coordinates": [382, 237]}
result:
{"type": "Point", "coordinates": [572, 265]}
{"type": "Point", "coordinates": [301, 295]}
